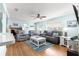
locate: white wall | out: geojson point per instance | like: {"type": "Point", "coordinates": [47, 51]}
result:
{"type": "Point", "coordinates": [19, 22]}
{"type": "Point", "coordinates": [62, 23]}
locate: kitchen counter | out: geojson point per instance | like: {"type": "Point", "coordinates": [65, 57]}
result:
{"type": "Point", "coordinates": [5, 39]}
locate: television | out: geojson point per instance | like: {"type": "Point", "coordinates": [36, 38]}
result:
{"type": "Point", "coordinates": [76, 13]}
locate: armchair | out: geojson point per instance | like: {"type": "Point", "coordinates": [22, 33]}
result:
{"type": "Point", "coordinates": [21, 36]}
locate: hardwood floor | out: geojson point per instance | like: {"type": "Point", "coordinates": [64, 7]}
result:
{"type": "Point", "coordinates": [22, 49]}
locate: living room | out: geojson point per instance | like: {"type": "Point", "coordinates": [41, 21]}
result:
{"type": "Point", "coordinates": [41, 28]}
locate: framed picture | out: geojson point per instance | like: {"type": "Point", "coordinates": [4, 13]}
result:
{"type": "Point", "coordinates": [72, 23]}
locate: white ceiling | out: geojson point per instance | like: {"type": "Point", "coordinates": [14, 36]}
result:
{"type": "Point", "coordinates": [26, 10]}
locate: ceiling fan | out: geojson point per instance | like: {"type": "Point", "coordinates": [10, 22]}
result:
{"type": "Point", "coordinates": [38, 15]}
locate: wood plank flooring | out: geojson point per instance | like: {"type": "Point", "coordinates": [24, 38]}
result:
{"type": "Point", "coordinates": [22, 49]}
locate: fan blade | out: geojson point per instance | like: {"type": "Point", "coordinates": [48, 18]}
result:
{"type": "Point", "coordinates": [43, 17]}
{"type": "Point", "coordinates": [32, 16]}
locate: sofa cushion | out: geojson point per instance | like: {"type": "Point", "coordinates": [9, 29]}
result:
{"type": "Point", "coordinates": [54, 40]}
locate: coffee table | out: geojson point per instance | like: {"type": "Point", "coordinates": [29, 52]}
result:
{"type": "Point", "coordinates": [38, 40]}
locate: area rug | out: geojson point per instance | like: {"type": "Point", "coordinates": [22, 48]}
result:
{"type": "Point", "coordinates": [41, 48]}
